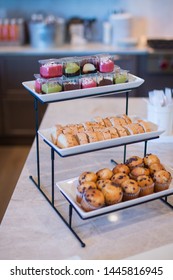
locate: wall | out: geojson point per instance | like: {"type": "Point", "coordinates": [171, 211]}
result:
{"type": "Point", "coordinates": [153, 19]}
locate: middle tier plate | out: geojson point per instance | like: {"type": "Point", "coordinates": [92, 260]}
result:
{"type": "Point", "coordinates": [105, 144]}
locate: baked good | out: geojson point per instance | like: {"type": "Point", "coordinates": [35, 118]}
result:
{"type": "Point", "coordinates": [150, 159]}
{"type": "Point", "coordinates": [104, 173]}
{"type": "Point", "coordinates": [122, 168]}
{"type": "Point", "coordinates": [103, 80]}
{"type": "Point", "coordinates": [102, 182]}
{"type": "Point", "coordinates": [51, 69]}
{"type": "Point", "coordinates": [88, 64]}
{"type": "Point", "coordinates": [106, 64]}
{"type": "Point", "coordinates": [66, 140]}
{"type": "Point", "coordinates": [121, 130]}
{"type": "Point", "coordinates": [119, 178]}
{"type": "Point", "coordinates": [134, 161]}
{"type": "Point", "coordinates": [71, 68]}
{"type": "Point", "coordinates": [92, 199]}
{"type": "Point", "coordinates": [106, 133]}
{"type": "Point", "coordinates": [114, 121]}
{"type": "Point", "coordinates": [126, 118]}
{"type": "Point", "coordinates": [88, 82]}
{"type": "Point", "coordinates": [113, 131]}
{"type": "Point", "coordinates": [71, 84]}
{"type": "Point", "coordinates": [145, 125]}
{"type": "Point", "coordinates": [81, 138]}
{"type": "Point", "coordinates": [121, 77]}
{"type": "Point", "coordinates": [162, 180]}
{"type": "Point", "coordinates": [138, 171]}
{"type": "Point", "coordinates": [155, 167]}
{"type": "Point", "coordinates": [92, 136]}
{"type": "Point", "coordinates": [52, 86]}
{"type": "Point", "coordinates": [87, 176]}
{"type": "Point", "coordinates": [82, 188]}
{"type": "Point", "coordinates": [107, 122]}
{"type": "Point", "coordinates": [133, 128]}
{"type": "Point", "coordinates": [112, 194]}
{"type": "Point", "coordinates": [131, 189]}
{"type": "Point", "coordinates": [146, 185]}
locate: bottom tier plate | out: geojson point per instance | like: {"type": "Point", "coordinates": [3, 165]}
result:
{"type": "Point", "coordinates": [68, 189]}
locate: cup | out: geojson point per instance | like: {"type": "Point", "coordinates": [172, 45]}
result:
{"type": "Point", "coordinates": [162, 116]}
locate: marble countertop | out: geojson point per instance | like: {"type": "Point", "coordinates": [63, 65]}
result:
{"type": "Point", "coordinates": [31, 229]}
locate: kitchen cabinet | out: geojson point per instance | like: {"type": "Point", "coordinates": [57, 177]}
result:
{"type": "Point", "coordinates": [16, 125]}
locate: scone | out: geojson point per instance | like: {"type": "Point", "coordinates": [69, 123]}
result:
{"type": "Point", "coordinates": [122, 168]}
{"type": "Point", "coordinates": [119, 178]}
{"type": "Point", "coordinates": [131, 189]}
{"type": "Point", "coordinates": [87, 176]}
{"type": "Point", "coordinates": [104, 173]}
{"type": "Point", "coordinates": [138, 171]}
{"type": "Point", "coordinates": [102, 182]}
{"type": "Point", "coordinates": [82, 188]}
{"type": "Point", "coordinates": [150, 159]}
{"type": "Point", "coordinates": [134, 161]}
{"type": "Point", "coordinates": [162, 180]}
{"type": "Point", "coordinates": [146, 185]}
{"type": "Point", "coordinates": [92, 199]}
{"type": "Point", "coordinates": [112, 194]}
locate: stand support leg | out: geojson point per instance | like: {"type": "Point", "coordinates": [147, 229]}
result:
{"type": "Point", "coordinates": [37, 144]}
{"type": "Point", "coordinates": [53, 181]}
{"type": "Point", "coordinates": [127, 102]}
{"type": "Point", "coordinates": [145, 148]}
{"type": "Point", "coordinates": [70, 214]}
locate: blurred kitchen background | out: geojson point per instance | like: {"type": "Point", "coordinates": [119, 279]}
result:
{"type": "Point", "coordinates": [139, 32]}
{"type": "Point", "coordinates": [150, 18]}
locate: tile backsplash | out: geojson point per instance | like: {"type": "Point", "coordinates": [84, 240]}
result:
{"type": "Point", "coordinates": [151, 18]}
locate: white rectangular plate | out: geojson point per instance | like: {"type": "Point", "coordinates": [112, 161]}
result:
{"type": "Point", "coordinates": [134, 82]}
{"type": "Point", "coordinates": [46, 135]}
{"type": "Point", "coordinates": [68, 189]}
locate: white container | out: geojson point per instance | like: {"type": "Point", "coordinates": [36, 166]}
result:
{"type": "Point", "coordinates": [162, 116]}
{"type": "Point", "coordinates": [121, 27]}
{"type": "Point", "coordinates": [42, 35]}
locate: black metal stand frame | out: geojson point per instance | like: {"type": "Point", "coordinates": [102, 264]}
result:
{"type": "Point", "coordinates": [51, 200]}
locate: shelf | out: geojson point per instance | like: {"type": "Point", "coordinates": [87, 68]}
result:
{"type": "Point", "coordinates": [133, 83]}
{"type": "Point", "coordinates": [68, 190]}
{"type": "Point", "coordinates": [106, 144]}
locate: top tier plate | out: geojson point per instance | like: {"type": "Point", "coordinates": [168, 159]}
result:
{"type": "Point", "coordinates": [133, 83]}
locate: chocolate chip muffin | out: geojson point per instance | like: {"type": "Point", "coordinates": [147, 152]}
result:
{"type": "Point", "coordinates": [162, 180]}
{"type": "Point", "coordinates": [104, 173]}
{"type": "Point", "coordinates": [150, 159]}
{"type": "Point", "coordinates": [146, 185]}
{"type": "Point", "coordinates": [122, 168]}
{"type": "Point", "coordinates": [82, 188]}
{"type": "Point", "coordinates": [87, 176]}
{"type": "Point", "coordinates": [102, 182]}
{"type": "Point", "coordinates": [92, 199]}
{"type": "Point", "coordinates": [134, 161]}
{"type": "Point", "coordinates": [112, 194]}
{"type": "Point", "coordinates": [131, 189]}
{"type": "Point", "coordinates": [119, 178]}
{"type": "Point", "coordinates": [138, 171]}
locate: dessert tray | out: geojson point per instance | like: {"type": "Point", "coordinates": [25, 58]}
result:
{"type": "Point", "coordinates": [68, 189]}
{"type": "Point", "coordinates": [46, 135]}
{"type": "Point", "coordinates": [133, 82]}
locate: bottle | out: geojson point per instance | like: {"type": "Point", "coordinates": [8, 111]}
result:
{"type": "Point", "coordinates": [13, 30]}
{"type": "Point", "coordinates": [1, 24]}
{"type": "Point", "coordinates": [5, 30]}
{"type": "Point", "coordinates": [21, 30]}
